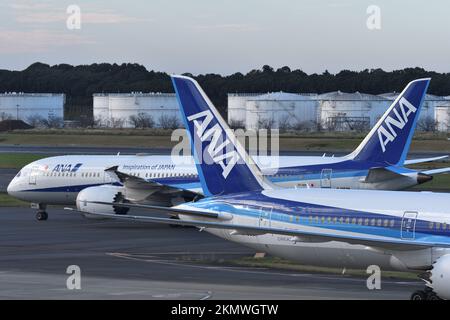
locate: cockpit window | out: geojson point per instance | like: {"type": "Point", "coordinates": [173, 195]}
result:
{"type": "Point", "coordinates": [18, 174]}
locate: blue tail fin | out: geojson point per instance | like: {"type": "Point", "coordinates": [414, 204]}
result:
{"type": "Point", "coordinates": [223, 165]}
{"type": "Point", "coordinates": [389, 140]}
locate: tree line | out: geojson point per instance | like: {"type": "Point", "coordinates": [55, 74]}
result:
{"type": "Point", "coordinates": [80, 82]}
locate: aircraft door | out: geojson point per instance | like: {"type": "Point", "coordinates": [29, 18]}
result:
{"type": "Point", "coordinates": [32, 177]}
{"type": "Point", "coordinates": [325, 178]}
{"type": "Point", "coordinates": [408, 226]}
{"type": "Point", "coordinates": [265, 216]}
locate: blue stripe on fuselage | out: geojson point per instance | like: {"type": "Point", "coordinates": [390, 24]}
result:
{"type": "Point", "coordinates": [342, 169]}
{"type": "Point", "coordinates": [302, 212]}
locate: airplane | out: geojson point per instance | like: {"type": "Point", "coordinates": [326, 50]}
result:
{"type": "Point", "coordinates": [378, 163]}
{"type": "Point", "coordinates": [395, 230]}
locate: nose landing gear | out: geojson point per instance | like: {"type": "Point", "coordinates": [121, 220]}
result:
{"type": "Point", "coordinates": [41, 215]}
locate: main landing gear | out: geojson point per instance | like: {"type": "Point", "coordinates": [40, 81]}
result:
{"type": "Point", "coordinates": [425, 294]}
{"type": "Point", "coordinates": [41, 215]}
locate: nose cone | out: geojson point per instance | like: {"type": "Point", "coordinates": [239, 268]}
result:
{"type": "Point", "coordinates": [12, 189]}
{"type": "Point", "coordinates": [422, 178]}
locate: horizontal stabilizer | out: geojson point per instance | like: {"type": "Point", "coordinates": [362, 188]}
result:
{"type": "Point", "coordinates": [423, 160]}
{"type": "Point", "coordinates": [436, 171]}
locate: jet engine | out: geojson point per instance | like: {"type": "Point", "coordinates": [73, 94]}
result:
{"type": "Point", "coordinates": [440, 277]}
{"type": "Point", "coordinates": [104, 193]}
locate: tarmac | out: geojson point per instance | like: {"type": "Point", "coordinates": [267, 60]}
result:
{"type": "Point", "coordinates": [124, 260]}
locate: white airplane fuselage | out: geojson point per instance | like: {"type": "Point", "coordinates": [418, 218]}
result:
{"type": "Point", "coordinates": [58, 180]}
{"type": "Point", "coordinates": [391, 216]}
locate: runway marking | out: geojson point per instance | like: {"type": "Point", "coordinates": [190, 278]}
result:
{"type": "Point", "coordinates": [208, 295]}
{"type": "Point", "coordinates": [253, 270]}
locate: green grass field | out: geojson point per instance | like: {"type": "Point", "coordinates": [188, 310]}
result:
{"type": "Point", "coordinates": [8, 201]}
{"type": "Point", "coordinates": [154, 138]}
{"type": "Point", "coordinates": [17, 160]}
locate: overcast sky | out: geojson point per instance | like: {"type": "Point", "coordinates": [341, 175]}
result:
{"type": "Point", "coordinates": [213, 36]}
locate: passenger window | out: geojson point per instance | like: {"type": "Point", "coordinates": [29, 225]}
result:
{"type": "Point", "coordinates": [372, 222]}
{"type": "Point", "coordinates": [366, 222]}
{"type": "Point", "coordinates": [379, 222]}
{"type": "Point", "coordinates": [354, 221]}
{"type": "Point", "coordinates": [360, 220]}
{"type": "Point", "coordinates": [386, 223]}
{"type": "Point", "coordinates": [431, 225]}
{"type": "Point", "coordinates": [392, 223]}
{"type": "Point", "coordinates": [438, 225]}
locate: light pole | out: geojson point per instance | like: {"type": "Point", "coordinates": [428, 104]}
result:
{"type": "Point", "coordinates": [17, 115]}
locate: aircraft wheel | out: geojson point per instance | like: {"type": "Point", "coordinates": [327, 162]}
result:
{"type": "Point", "coordinates": [41, 216]}
{"type": "Point", "coordinates": [433, 296]}
{"type": "Point", "coordinates": [419, 295]}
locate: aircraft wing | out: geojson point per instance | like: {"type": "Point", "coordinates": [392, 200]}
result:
{"type": "Point", "coordinates": [436, 171]}
{"type": "Point", "coordinates": [414, 161]}
{"type": "Point", "coordinates": [153, 187]}
{"type": "Point", "coordinates": [300, 235]}
{"type": "Point", "coordinates": [168, 210]}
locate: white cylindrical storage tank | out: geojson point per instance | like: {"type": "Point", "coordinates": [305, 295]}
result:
{"type": "Point", "coordinates": [340, 111]}
{"type": "Point", "coordinates": [101, 109]}
{"type": "Point", "coordinates": [442, 117]}
{"type": "Point", "coordinates": [158, 106]}
{"type": "Point", "coordinates": [118, 108]}
{"type": "Point", "coordinates": [237, 108]}
{"type": "Point", "coordinates": [24, 106]}
{"type": "Point", "coordinates": [121, 107]}
{"type": "Point", "coordinates": [280, 110]}
{"type": "Point", "coordinates": [428, 113]}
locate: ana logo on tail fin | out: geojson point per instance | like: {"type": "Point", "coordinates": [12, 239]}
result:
{"type": "Point", "coordinates": [389, 140]}
{"type": "Point", "coordinates": [223, 165]}
{"type": "Point", "coordinates": [216, 148]}
{"type": "Point", "coordinates": [389, 134]}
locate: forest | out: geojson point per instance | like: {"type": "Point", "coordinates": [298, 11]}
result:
{"type": "Point", "coordinates": [80, 82]}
